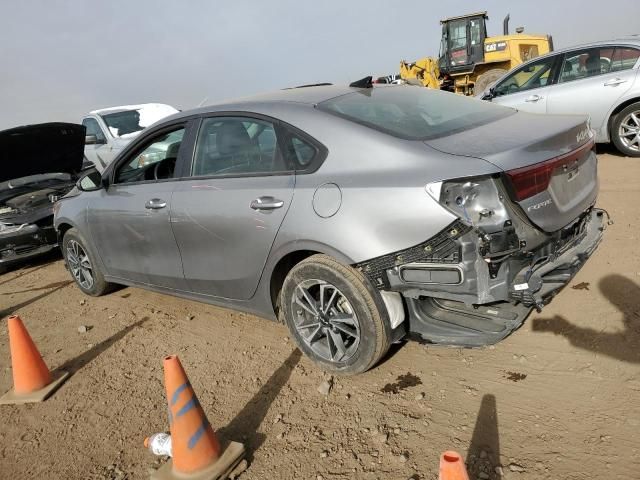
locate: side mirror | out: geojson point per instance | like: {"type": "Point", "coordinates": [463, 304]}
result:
{"type": "Point", "coordinates": [90, 181]}
{"type": "Point", "coordinates": [93, 140]}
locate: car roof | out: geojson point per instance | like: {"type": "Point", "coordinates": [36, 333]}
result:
{"type": "Point", "coordinates": [630, 40]}
{"type": "Point", "coordinates": [305, 95]}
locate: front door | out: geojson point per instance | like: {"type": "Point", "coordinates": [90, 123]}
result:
{"type": "Point", "coordinates": [129, 221]}
{"type": "Point", "coordinates": [528, 87]}
{"type": "Point", "coordinates": [226, 217]}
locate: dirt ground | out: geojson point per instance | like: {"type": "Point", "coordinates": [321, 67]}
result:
{"type": "Point", "coordinates": [559, 399]}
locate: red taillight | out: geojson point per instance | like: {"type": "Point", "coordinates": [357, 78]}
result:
{"type": "Point", "coordinates": [533, 179]}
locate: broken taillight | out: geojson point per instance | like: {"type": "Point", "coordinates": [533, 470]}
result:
{"type": "Point", "coordinates": [533, 179]}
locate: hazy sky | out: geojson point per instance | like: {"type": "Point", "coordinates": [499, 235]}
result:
{"type": "Point", "coordinates": [61, 58]}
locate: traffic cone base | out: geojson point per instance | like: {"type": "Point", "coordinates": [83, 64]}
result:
{"type": "Point", "coordinates": [218, 470]}
{"type": "Point", "coordinates": [13, 398]}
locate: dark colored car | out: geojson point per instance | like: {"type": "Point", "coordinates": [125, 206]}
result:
{"type": "Point", "coordinates": [39, 165]}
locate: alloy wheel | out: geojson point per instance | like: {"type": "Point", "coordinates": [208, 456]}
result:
{"type": "Point", "coordinates": [629, 131]}
{"type": "Point", "coordinates": [79, 264]}
{"type": "Point", "coordinates": [325, 320]}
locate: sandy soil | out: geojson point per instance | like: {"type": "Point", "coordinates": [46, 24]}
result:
{"type": "Point", "coordinates": [559, 399]}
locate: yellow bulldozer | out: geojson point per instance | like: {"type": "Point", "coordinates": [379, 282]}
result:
{"type": "Point", "coordinates": [469, 60]}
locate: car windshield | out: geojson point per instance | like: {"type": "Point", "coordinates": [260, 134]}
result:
{"type": "Point", "coordinates": [129, 121]}
{"type": "Point", "coordinates": [123, 123]}
{"type": "Point", "coordinates": [414, 113]}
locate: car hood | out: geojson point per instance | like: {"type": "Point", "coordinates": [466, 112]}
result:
{"type": "Point", "coordinates": [42, 148]}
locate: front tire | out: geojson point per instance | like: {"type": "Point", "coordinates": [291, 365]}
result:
{"type": "Point", "coordinates": [625, 130]}
{"type": "Point", "coordinates": [334, 315]}
{"type": "Point", "coordinates": [82, 265]}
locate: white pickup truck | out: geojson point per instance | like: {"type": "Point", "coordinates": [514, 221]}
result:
{"type": "Point", "coordinates": [109, 130]}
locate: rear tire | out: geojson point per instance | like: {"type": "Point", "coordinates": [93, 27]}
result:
{"type": "Point", "coordinates": [623, 127]}
{"type": "Point", "coordinates": [334, 315]}
{"type": "Point", "coordinates": [82, 264]}
{"type": "Point", "coordinates": [486, 79]}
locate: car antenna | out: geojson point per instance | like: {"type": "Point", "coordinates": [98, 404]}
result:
{"type": "Point", "coordinates": [203, 100]}
{"type": "Point", "coordinates": [366, 82]}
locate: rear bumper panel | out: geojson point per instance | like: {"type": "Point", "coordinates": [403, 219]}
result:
{"type": "Point", "coordinates": [536, 286]}
{"type": "Point", "coordinates": [471, 298]}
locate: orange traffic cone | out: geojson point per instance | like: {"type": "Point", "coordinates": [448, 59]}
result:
{"type": "Point", "coordinates": [32, 381]}
{"type": "Point", "coordinates": [452, 467]}
{"type": "Point", "coordinates": [196, 450]}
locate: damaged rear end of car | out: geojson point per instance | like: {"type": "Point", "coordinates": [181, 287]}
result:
{"type": "Point", "coordinates": [519, 237]}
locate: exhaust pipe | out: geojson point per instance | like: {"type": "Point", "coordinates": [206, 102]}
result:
{"type": "Point", "coordinates": [505, 25]}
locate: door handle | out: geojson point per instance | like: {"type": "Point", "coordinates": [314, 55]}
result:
{"type": "Point", "coordinates": [614, 82]}
{"type": "Point", "coordinates": [533, 98]}
{"type": "Point", "coordinates": [155, 204]}
{"type": "Point", "coordinates": [266, 203]}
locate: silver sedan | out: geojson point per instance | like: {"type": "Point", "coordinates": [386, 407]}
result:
{"type": "Point", "coordinates": [599, 79]}
{"type": "Point", "coordinates": [355, 215]}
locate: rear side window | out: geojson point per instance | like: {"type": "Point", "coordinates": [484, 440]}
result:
{"type": "Point", "coordinates": [237, 146]}
{"type": "Point", "coordinates": [299, 152]}
{"type": "Point", "coordinates": [624, 58]}
{"type": "Point", "coordinates": [586, 63]}
{"type": "Point", "coordinates": [414, 113]}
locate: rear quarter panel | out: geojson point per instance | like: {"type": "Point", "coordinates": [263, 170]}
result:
{"type": "Point", "coordinates": [383, 203]}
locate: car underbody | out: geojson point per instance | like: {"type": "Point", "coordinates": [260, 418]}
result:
{"type": "Point", "coordinates": [464, 287]}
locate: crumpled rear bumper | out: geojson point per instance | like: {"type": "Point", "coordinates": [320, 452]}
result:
{"type": "Point", "coordinates": [536, 286]}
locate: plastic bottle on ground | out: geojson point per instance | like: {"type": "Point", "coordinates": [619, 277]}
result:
{"type": "Point", "coordinates": [159, 443]}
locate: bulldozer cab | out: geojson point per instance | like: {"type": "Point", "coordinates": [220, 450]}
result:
{"type": "Point", "coordinates": [462, 44]}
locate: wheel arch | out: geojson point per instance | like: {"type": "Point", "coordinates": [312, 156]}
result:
{"type": "Point", "coordinates": [289, 256]}
{"type": "Point", "coordinates": [62, 228]}
{"type": "Point", "coordinates": [618, 108]}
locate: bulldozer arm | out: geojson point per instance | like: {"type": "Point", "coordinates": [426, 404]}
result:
{"type": "Point", "coordinates": [424, 71]}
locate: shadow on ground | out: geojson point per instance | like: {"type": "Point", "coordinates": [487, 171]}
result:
{"type": "Point", "coordinates": [623, 345]}
{"type": "Point", "coordinates": [31, 265]}
{"type": "Point", "coordinates": [75, 364]}
{"type": "Point", "coordinates": [484, 450]}
{"type": "Point", "coordinates": [57, 286]}
{"type": "Point", "coordinates": [244, 427]}
{"type": "Point", "coordinates": [608, 148]}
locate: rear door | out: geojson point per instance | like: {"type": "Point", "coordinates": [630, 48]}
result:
{"type": "Point", "coordinates": [227, 214]}
{"type": "Point", "coordinates": [527, 88]}
{"type": "Point", "coordinates": [591, 82]}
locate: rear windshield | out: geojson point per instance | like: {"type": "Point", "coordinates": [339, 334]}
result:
{"type": "Point", "coordinates": [414, 113]}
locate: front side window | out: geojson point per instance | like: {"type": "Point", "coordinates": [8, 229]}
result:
{"type": "Point", "coordinates": [156, 160]}
{"type": "Point", "coordinates": [414, 113]}
{"type": "Point", "coordinates": [91, 124]}
{"type": "Point", "coordinates": [533, 75]}
{"type": "Point", "coordinates": [237, 146]}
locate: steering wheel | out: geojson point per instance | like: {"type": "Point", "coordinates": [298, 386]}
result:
{"type": "Point", "coordinates": [164, 168]}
